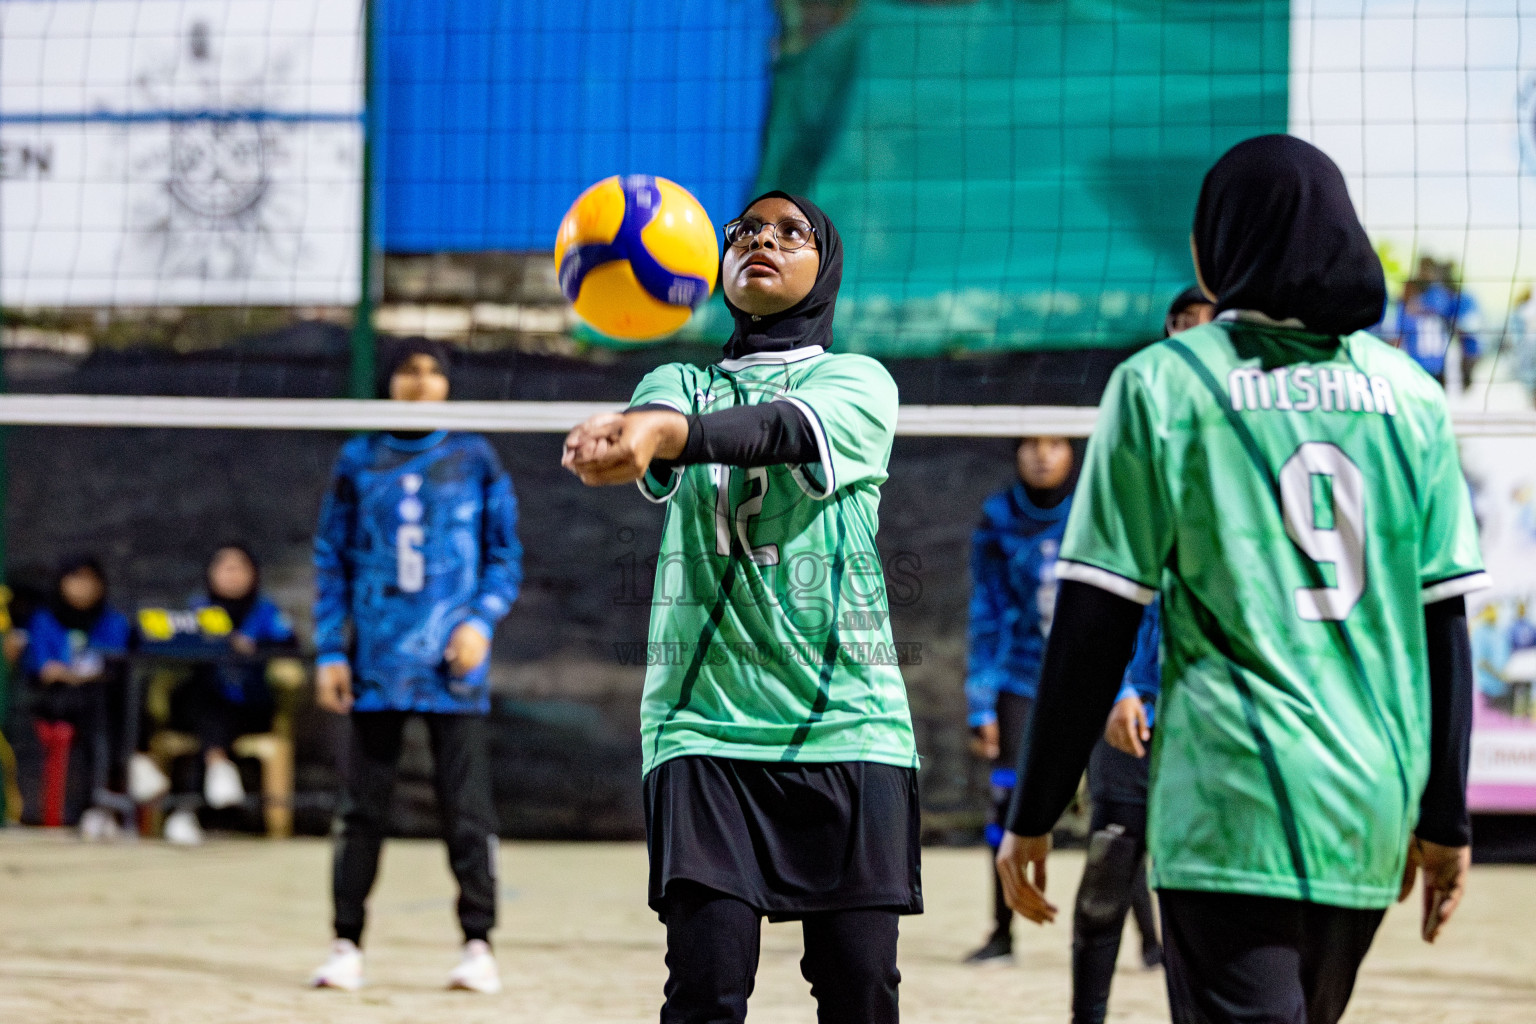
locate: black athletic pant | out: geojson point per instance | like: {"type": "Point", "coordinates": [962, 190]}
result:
{"type": "Point", "coordinates": [1235, 959]}
{"type": "Point", "coordinates": [1109, 888]}
{"type": "Point", "coordinates": [712, 950]}
{"type": "Point", "coordinates": [1012, 719]}
{"type": "Point", "coordinates": [200, 706]}
{"type": "Point", "coordinates": [461, 775]}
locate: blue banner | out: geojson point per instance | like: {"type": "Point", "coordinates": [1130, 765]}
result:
{"type": "Point", "coordinates": [498, 113]}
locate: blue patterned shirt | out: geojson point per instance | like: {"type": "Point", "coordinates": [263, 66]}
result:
{"type": "Point", "coordinates": [1013, 597]}
{"type": "Point", "coordinates": [416, 538]}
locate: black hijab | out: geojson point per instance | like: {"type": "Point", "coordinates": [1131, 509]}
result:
{"type": "Point", "coordinates": [403, 351]}
{"type": "Point", "coordinates": [398, 356]}
{"type": "Point", "coordinates": [70, 617]}
{"type": "Point", "coordinates": [807, 322]}
{"type": "Point", "coordinates": [1191, 296]}
{"type": "Point", "coordinates": [239, 608]}
{"type": "Point", "coordinates": [1275, 232]}
{"type": "Point", "coordinates": [1050, 497]}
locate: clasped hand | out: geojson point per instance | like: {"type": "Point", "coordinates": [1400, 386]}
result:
{"type": "Point", "coordinates": [617, 448]}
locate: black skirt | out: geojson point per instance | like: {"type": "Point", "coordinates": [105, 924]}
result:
{"type": "Point", "coordinates": [787, 839]}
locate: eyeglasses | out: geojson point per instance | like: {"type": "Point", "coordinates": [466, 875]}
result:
{"type": "Point", "coordinates": [791, 233]}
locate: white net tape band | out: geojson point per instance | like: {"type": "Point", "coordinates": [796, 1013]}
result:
{"type": "Point", "coordinates": [551, 417]}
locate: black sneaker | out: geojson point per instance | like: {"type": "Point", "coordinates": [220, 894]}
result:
{"type": "Point", "coordinates": [998, 950]}
{"type": "Point", "coordinates": [1152, 955]}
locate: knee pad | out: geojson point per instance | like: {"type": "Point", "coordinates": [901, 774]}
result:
{"type": "Point", "coordinates": [1003, 782]}
{"type": "Point", "coordinates": [1105, 892]}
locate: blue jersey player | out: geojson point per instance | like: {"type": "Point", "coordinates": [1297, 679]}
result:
{"type": "Point", "coordinates": [1013, 595]}
{"type": "Point", "coordinates": [416, 559]}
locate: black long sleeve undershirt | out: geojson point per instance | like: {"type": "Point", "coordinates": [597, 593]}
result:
{"type": "Point", "coordinates": [1443, 816]}
{"type": "Point", "coordinates": [1092, 639]}
{"type": "Point", "coordinates": [1093, 634]}
{"type": "Point", "coordinates": [766, 434]}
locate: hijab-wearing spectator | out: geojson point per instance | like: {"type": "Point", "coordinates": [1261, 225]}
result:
{"type": "Point", "coordinates": [227, 699]}
{"type": "Point", "coordinates": [67, 670]}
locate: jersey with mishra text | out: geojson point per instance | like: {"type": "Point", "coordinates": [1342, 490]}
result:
{"type": "Point", "coordinates": [769, 636]}
{"type": "Point", "coordinates": [1296, 501]}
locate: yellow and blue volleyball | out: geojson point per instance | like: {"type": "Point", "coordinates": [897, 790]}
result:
{"type": "Point", "coordinates": [635, 256]}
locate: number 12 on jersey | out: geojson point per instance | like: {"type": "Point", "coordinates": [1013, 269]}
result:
{"type": "Point", "coordinates": [1340, 542]}
{"type": "Point", "coordinates": [728, 522]}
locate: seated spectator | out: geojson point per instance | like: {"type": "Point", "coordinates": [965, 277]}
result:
{"type": "Point", "coordinates": [224, 700]}
{"type": "Point", "coordinates": [67, 665]}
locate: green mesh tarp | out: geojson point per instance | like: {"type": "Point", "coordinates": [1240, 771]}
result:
{"type": "Point", "coordinates": [1011, 174]}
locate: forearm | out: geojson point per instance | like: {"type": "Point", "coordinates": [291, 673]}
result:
{"type": "Point", "coordinates": [331, 613]}
{"type": "Point", "coordinates": [767, 434]}
{"type": "Point", "coordinates": [1443, 816]}
{"type": "Point", "coordinates": [333, 538]}
{"type": "Point", "coordinates": [981, 674]}
{"type": "Point", "coordinates": [980, 698]}
{"type": "Point", "coordinates": [984, 631]}
{"type": "Point", "coordinates": [277, 645]}
{"type": "Point", "coordinates": [502, 576]}
{"type": "Point", "coordinates": [494, 600]}
{"type": "Point", "coordinates": [1092, 638]}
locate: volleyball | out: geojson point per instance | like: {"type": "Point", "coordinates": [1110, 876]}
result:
{"type": "Point", "coordinates": [635, 256]}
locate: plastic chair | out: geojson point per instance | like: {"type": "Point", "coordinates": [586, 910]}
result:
{"type": "Point", "coordinates": [272, 750]}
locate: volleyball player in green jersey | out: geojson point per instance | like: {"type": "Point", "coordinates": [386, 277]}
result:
{"type": "Point", "coordinates": [1291, 487]}
{"type": "Point", "coordinates": [780, 767]}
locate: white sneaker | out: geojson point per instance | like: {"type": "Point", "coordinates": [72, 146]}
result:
{"type": "Point", "coordinates": [477, 970]}
{"type": "Point", "coordinates": [146, 782]}
{"type": "Point", "coordinates": [97, 824]}
{"type": "Point", "coordinates": [343, 969]}
{"type": "Point", "coordinates": [182, 829]}
{"type": "Point", "coordinates": [222, 786]}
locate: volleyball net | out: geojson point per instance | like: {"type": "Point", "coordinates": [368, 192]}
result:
{"type": "Point", "coordinates": [523, 417]}
{"type": "Point", "coordinates": [1007, 175]}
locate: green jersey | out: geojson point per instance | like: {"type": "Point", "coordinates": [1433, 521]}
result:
{"type": "Point", "coordinates": [770, 636]}
{"type": "Point", "coordinates": [1296, 502]}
